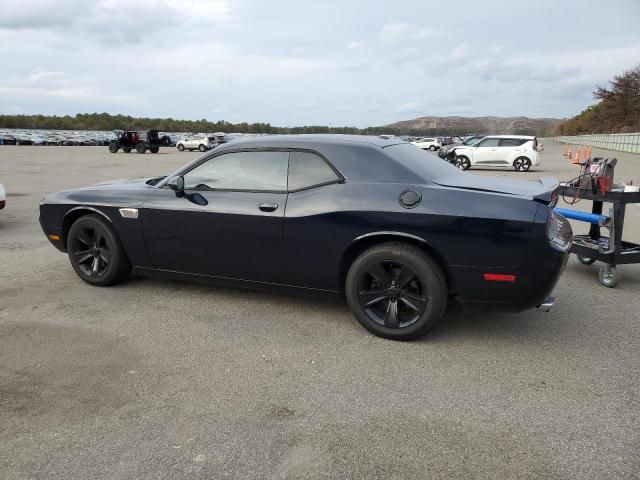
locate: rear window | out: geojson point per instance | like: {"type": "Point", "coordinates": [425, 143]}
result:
{"type": "Point", "coordinates": [418, 161]}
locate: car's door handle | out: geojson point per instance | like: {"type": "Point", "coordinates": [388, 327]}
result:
{"type": "Point", "coordinates": [268, 207]}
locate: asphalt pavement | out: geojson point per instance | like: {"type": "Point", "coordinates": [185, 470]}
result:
{"type": "Point", "coordinates": [167, 379]}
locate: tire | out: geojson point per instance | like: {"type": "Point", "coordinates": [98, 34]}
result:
{"type": "Point", "coordinates": [113, 147]}
{"type": "Point", "coordinates": [154, 149]}
{"type": "Point", "coordinates": [432, 148]}
{"type": "Point", "coordinates": [202, 148]}
{"type": "Point", "coordinates": [180, 147]}
{"type": "Point", "coordinates": [404, 297]}
{"type": "Point", "coordinates": [95, 252]}
{"type": "Point", "coordinates": [141, 147]}
{"type": "Point", "coordinates": [462, 162]}
{"type": "Point", "coordinates": [126, 149]}
{"type": "Point", "coordinates": [608, 276]}
{"type": "Point", "coordinates": [585, 260]}
{"type": "Point", "coordinates": [521, 164]}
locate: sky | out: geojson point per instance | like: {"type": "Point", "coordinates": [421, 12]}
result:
{"type": "Point", "coordinates": [341, 63]}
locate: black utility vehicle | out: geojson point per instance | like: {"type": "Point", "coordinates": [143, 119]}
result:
{"type": "Point", "coordinates": [141, 142]}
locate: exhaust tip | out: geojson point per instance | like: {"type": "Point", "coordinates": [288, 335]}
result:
{"type": "Point", "coordinates": [547, 304]}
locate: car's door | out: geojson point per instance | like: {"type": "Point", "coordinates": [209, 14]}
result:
{"type": "Point", "coordinates": [229, 222]}
{"type": "Point", "coordinates": [310, 230]}
{"type": "Point", "coordinates": [509, 149]}
{"type": "Point", "coordinates": [486, 152]}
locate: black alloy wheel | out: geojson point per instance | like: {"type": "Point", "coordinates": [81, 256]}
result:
{"type": "Point", "coordinates": [95, 252]}
{"type": "Point", "coordinates": [396, 291]}
{"type": "Point", "coordinates": [463, 163]}
{"type": "Point", "coordinates": [141, 147]}
{"type": "Point", "coordinates": [391, 294]}
{"type": "Point", "coordinates": [521, 164]}
{"type": "Point", "coordinates": [91, 251]}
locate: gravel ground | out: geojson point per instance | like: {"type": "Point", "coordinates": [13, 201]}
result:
{"type": "Point", "coordinates": [163, 379]}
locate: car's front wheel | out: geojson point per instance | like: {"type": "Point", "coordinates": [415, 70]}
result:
{"type": "Point", "coordinates": [202, 148]}
{"type": "Point", "coordinates": [95, 252]}
{"type": "Point", "coordinates": [396, 291]}
{"type": "Point", "coordinates": [463, 163]}
{"type": "Point", "coordinates": [141, 147]}
{"type": "Point", "coordinates": [432, 148]}
{"type": "Point", "coordinates": [521, 164]}
{"type": "Point", "coordinates": [113, 147]}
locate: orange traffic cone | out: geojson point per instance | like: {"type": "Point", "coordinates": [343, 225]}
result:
{"type": "Point", "coordinates": [588, 155]}
{"type": "Point", "coordinates": [577, 159]}
{"type": "Point", "coordinates": [569, 154]}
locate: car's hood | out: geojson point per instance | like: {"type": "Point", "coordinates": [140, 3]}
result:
{"type": "Point", "coordinates": [543, 190]}
{"type": "Point", "coordinates": [124, 183]}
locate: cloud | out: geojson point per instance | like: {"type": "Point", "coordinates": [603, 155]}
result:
{"type": "Point", "coordinates": [393, 33]}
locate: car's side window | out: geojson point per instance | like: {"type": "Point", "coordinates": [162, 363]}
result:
{"type": "Point", "coordinates": [511, 142]}
{"type": "Point", "coordinates": [307, 169]}
{"type": "Point", "coordinates": [256, 171]}
{"type": "Point", "coordinates": [489, 142]}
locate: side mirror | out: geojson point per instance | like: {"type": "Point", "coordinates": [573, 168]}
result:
{"type": "Point", "coordinates": [177, 185]}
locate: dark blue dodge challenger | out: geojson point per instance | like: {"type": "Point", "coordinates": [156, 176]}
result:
{"type": "Point", "coordinates": [396, 231]}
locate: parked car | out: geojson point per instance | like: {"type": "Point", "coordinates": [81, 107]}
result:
{"type": "Point", "coordinates": [448, 151]}
{"type": "Point", "coordinates": [518, 152]}
{"type": "Point", "coordinates": [428, 143]}
{"type": "Point", "coordinates": [198, 142]}
{"type": "Point", "coordinates": [355, 224]}
{"type": "Point", "coordinates": [3, 197]}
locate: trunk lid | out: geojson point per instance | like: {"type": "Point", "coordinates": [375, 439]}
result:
{"type": "Point", "coordinates": [544, 190]}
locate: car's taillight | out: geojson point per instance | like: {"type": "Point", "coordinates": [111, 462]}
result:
{"type": "Point", "coordinates": [559, 231]}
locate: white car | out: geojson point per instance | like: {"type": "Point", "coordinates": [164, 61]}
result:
{"type": "Point", "coordinates": [198, 142]}
{"type": "Point", "coordinates": [429, 143]}
{"type": "Point", "coordinates": [516, 151]}
{"type": "Point", "coordinates": [3, 197]}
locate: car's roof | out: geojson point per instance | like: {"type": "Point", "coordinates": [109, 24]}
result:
{"type": "Point", "coordinates": [325, 139]}
{"type": "Point", "coordinates": [531, 137]}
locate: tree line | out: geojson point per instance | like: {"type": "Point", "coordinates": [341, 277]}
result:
{"type": "Point", "coordinates": [617, 110]}
{"type": "Point", "coordinates": [105, 121]}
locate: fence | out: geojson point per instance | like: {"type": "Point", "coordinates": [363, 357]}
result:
{"type": "Point", "coordinates": [621, 142]}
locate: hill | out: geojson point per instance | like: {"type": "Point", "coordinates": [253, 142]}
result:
{"type": "Point", "coordinates": [468, 125]}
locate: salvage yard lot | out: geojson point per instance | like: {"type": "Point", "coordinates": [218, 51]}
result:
{"type": "Point", "coordinates": [168, 379]}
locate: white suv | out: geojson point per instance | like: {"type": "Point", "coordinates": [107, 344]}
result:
{"type": "Point", "coordinates": [429, 143]}
{"type": "Point", "coordinates": [198, 142]}
{"type": "Point", "coordinates": [517, 151]}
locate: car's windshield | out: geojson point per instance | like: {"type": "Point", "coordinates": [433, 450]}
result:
{"type": "Point", "coordinates": [471, 141]}
{"type": "Point", "coordinates": [418, 161]}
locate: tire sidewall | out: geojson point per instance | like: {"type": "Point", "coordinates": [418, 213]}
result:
{"type": "Point", "coordinates": [527, 164]}
{"type": "Point", "coordinates": [118, 262]}
{"type": "Point", "coordinates": [430, 276]}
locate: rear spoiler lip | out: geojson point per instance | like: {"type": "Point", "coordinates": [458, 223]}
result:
{"type": "Point", "coordinates": [549, 193]}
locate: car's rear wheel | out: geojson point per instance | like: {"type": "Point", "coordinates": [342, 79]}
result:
{"type": "Point", "coordinates": [113, 147]}
{"type": "Point", "coordinates": [95, 252]}
{"type": "Point", "coordinates": [462, 162]}
{"type": "Point", "coordinates": [521, 164]}
{"type": "Point", "coordinates": [154, 149]}
{"type": "Point", "coordinates": [396, 291]}
{"type": "Point", "coordinates": [432, 148]}
{"type": "Point", "coordinates": [181, 147]}
{"type": "Point", "coordinates": [202, 148]}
